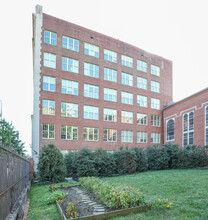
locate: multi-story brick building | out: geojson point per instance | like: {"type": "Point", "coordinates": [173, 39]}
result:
{"type": "Point", "coordinates": [186, 121]}
{"type": "Point", "coordinates": [91, 90]}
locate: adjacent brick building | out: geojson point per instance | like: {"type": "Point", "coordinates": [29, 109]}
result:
{"type": "Point", "coordinates": [91, 90]}
{"type": "Point", "coordinates": [186, 121]}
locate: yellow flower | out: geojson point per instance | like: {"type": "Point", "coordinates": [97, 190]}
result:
{"type": "Point", "coordinates": [170, 203]}
{"type": "Point", "coordinates": [166, 199]}
{"type": "Point", "coordinates": [158, 200]}
{"type": "Point", "coordinates": [167, 206]}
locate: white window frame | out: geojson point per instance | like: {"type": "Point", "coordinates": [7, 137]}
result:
{"type": "Point", "coordinates": [110, 92]}
{"type": "Point", "coordinates": [51, 39]}
{"type": "Point", "coordinates": [91, 110]}
{"type": "Point", "coordinates": [155, 138]}
{"type": "Point", "coordinates": [155, 120]}
{"type": "Point", "coordinates": [49, 79]}
{"type": "Point", "coordinates": [73, 68]}
{"type": "Point", "coordinates": [155, 70]}
{"type": "Point", "coordinates": [142, 101]}
{"type": "Point", "coordinates": [142, 137]}
{"type": "Point", "coordinates": [51, 62]}
{"type": "Point", "coordinates": [127, 98]}
{"type": "Point", "coordinates": [126, 79]}
{"type": "Point", "coordinates": [69, 45]}
{"type": "Point", "coordinates": [70, 89]}
{"type": "Point", "coordinates": [127, 117]}
{"type": "Point", "coordinates": [155, 103]}
{"type": "Point", "coordinates": [87, 92]}
{"type": "Point", "coordinates": [142, 119]}
{"type": "Point", "coordinates": [106, 111]}
{"type": "Point", "coordinates": [88, 133]}
{"type": "Point", "coordinates": [155, 86]}
{"type": "Point", "coordinates": [141, 83]}
{"type": "Point", "coordinates": [48, 131]}
{"type": "Point", "coordinates": [189, 130]}
{"type": "Point", "coordinates": [72, 132]}
{"type": "Point", "coordinates": [141, 66]}
{"type": "Point", "coordinates": [92, 50]}
{"type": "Point", "coordinates": [71, 110]}
{"type": "Point", "coordinates": [50, 107]}
{"type": "Point", "coordinates": [171, 138]}
{"type": "Point", "coordinates": [127, 61]}
{"type": "Point", "coordinates": [110, 55]}
{"type": "Point", "coordinates": [109, 130]}
{"type": "Point", "coordinates": [126, 136]}
{"type": "Point", "coordinates": [91, 70]}
{"type": "Point", "coordinates": [206, 126]}
{"type": "Point", "coordinates": [110, 75]}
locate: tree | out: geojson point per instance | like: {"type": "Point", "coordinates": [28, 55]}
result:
{"type": "Point", "coordinates": [51, 164]}
{"type": "Point", "coordinates": [9, 137]}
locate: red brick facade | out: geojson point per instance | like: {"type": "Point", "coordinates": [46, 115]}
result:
{"type": "Point", "coordinates": [198, 104]}
{"type": "Point", "coordinates": [61, 28]}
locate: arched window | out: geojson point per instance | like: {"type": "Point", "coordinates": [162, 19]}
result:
{"type": "Point", "coordinates": [170, 130]}
{"type": "Point", "coordinates": [188, 129]}
{"type": "Point", "coordinates": [206, 126]}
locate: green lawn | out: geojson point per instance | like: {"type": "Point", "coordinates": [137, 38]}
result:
{"type": "Point", "coordinates": [38, 209]}
{"type": "Point", "coordinates": [186, 189]}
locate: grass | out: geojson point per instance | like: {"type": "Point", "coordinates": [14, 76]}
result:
{"type": "Point", "coordinates": [38, 209]}
{"type": "Point", "coordinates": [186, 189]}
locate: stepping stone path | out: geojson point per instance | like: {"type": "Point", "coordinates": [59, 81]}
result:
{"type": "Point", "coordinates": [98, 209]}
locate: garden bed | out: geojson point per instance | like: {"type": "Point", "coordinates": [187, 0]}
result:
{"type": "Point", "coordinates": [88, 205]}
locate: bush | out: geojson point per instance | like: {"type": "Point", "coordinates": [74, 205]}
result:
{"type": "Point", "coordinates": [70, 160]}
{"type": "Point", "coordinates": [51, 166]}
{"type": "Point", "coordinates": [141, 160]}
{"type": "Point", "coordinates": [113, 195]}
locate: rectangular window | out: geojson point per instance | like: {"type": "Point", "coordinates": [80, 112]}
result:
{"type": "Point", "coordinates": [141, 119]}
{"type": "Point", "coordinates": [126, 79]}
{"type": "Point", "coordinates": [70, 43]}
{"type": "Point", "coordinates": [49, 83]}
{"type": "Point", "coordinates": [206, 126]}
{"type": "Point", "coordinates": [70, 65]}
{"type": "Point", "coordinates": [69, 87]}
{"type": "Point", "coordinates": [110, 115]}
{"type": "Point", "coordinates": [91, 70]}
{"type": "Point", "coordinates": [155, 120]}
{"type": "Point", "coordinates": [91, 91]}
{"type": "Point", "coordinates": [91, 134]}
{"type": "Point", "coordinates": [155, 138]}
{"type": "Point", "coordinates": [155, 86]}
{"type": "Point", "coordinates": [91, 112]}
{"type": "Point", "coordinates": [69, 110]}
{"type": "Point", "coordinates": [110, 56]}
{"type": "Point", "coordinates": [155, 103]}
{"type": "Point", "coordinates": [110, 95]}
{"type": "Point", "coordinates": [110, 75]}
{"type": "Point", "coordinates": [127, 98]}
{"type": "Point", "coordinates": [91, 50]}
{"type": "Point", "coordinates": [170, 130]}
{"type": "Point", "coordinates": [141, 101]}
{"type": "Point", "coordinates": [49, 60]}
{"type": "Point", "coordinates": [48, 107]}
{"type": "Point", "coordinates": [50, 37]}
{"type": "Point", "coordinates": [126, 61]}
{"type": "Point", "coordinates": [141, 66]}
{"type": "Point", "coordinates": [141, 83]}
{"type": "Point", "coordinates": [188, 129]}
{"type": "Point", "coordinates": [69, 132]}
{"type": "Point", "coordinates": [127, 136]}
{"type": "Point", "coordinates": [127, 117]}
{"type": "Point", "coordinates": [48, 131]}
{"type": "Point", "coordinates": [155, 70]}
{"type": "Point", "coordinates": [141, 137]}
{"type": "Point", "coordinates": [109, 135]}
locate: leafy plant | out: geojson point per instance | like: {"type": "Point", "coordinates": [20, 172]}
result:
{"type": "Point", "coordinates": [52, 187]}
{"type": "Point", "coordinates": [57, 195]}
{"type": "Point", "coordinates": [71, 211]}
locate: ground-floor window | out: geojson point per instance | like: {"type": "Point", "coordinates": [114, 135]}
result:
{"type": "Point", "coordinates": [206, 126]}
{"type": "Point", "coordinates": [170, 130]}
{"type": "Point", "coordinates": [188, 129]}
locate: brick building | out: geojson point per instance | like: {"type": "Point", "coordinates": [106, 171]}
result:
{"type": "Point", "coordinates": [186, 121]}
{"type": "Point", "coordinates": [91, 90]}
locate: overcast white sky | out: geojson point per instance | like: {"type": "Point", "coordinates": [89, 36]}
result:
{"type": "Point", "coordinates": [174, 29]}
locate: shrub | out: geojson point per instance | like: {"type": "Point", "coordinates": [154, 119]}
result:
{"type": "Point", "coordinates": [51, 165]}
{"type": "Point", "coordinates": [141, 160]}
{"type": "Point", "coordinates": [57, 195]}
{"type": "Point", "coordinates": [70, 160]}
{"type": "Point", "coordinates": [71, 211]}
{"type": "Point", "coordinates": [113, 195]}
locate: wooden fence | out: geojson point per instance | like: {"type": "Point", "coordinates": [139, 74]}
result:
{"type": "Point", "coordinates": [14, 177]}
